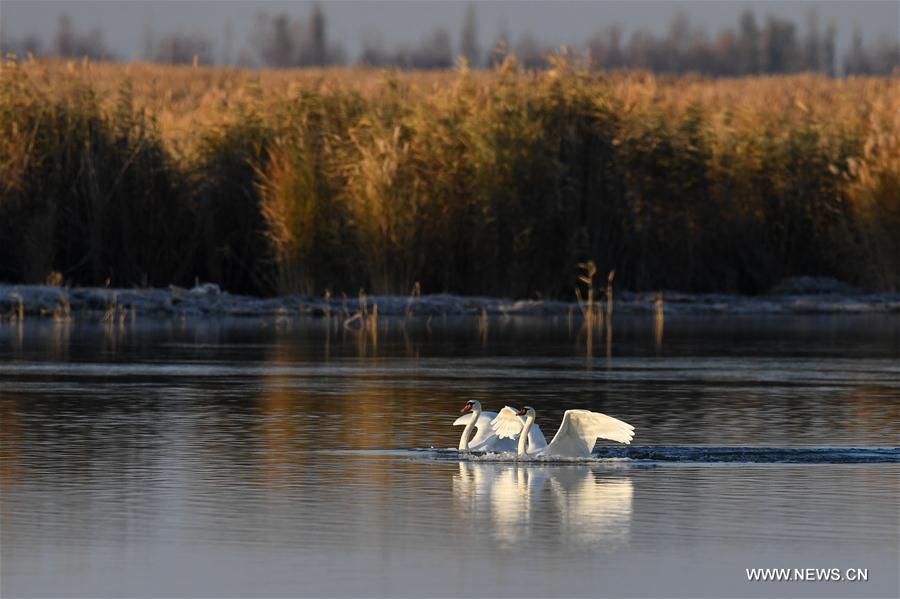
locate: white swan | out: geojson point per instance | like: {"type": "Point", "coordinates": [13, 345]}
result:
{"type": "Point", "coordinates": [575, 438]}
{"type": "Point", "coordinates": [485, 439]}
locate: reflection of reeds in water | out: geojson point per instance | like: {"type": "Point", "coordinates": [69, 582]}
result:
{"type": "Point", "coordinates": [280, 405]}
{"type": "Point", "coordinates": [18, 313]}
{"type": "Point", "coordinates": [372, 325]}
{"type": "Point", "coordinates": [114, 331]}
{"type": "Point", "coordinates": [115, 313]}
{"type": "Point", "coordinates": [364, 324]}
{"type": "Point", "coordinates": [609, 312]}
{"type": "Point", "coordinates": [60, 334]}
{"type": "Point", "coordinates": [659, 321]}
{"type": "Point", "coordinates": [609, 340]}
{"type": "Point", "coordinates": [416, 292]}
{"type": "Point", "coordinates": [292, 419]}
{"type": "Point", "coordinates": [592, 313]}
{"type": "Point", "coordinates": [289, 413]}
{"type": "Point", "coordinates": [482, 325]}
{"type": "Point", "coordinates": [356, 418]}
{"type": "Point", "coordinates": [588, 308]}
{"type": "Point", "coordinates": [609, 294]}
{"type": "Point", "coordinates": [10, 437]}
{"type": "Point", "coordinates": [874, 404]}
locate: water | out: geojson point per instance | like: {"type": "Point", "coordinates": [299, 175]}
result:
{"type": "Point", "coordinates": [233, 458]}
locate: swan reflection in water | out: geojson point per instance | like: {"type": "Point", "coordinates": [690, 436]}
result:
{"type": "Point", "coordinates": [569, 505]}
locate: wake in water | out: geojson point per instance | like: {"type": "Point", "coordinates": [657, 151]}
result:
{"type": "Point", "coordinates": [688, 455]}
{"type": "Point", "coordinates": [802, 455]}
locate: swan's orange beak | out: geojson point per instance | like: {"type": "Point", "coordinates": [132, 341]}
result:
{"type": "Point", "coordinates": [466, 408]}
{"type": "Point", "coordinates": [521, 412]}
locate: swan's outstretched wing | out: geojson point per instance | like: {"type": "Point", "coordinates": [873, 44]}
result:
{"type": "Point", "coordinates": [580, 429]}
{"type": "Point", "coordinates": [483, 430]}
{"type": "Point", "coordinates": [507, 424]}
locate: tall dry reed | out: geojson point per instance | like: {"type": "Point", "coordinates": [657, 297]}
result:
{"type": "Point", "coordinates": [473, 182]}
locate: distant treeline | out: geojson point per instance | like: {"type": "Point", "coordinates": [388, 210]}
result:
{"type": "Point", "coordinates": [478, 182]}
{"type": "Point", "coordinates": [773, 45]}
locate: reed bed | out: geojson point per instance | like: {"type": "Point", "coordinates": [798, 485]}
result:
{"type": "Point", "coordinates": [491, 182]}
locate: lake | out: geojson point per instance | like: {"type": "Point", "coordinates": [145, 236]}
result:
{"type": "Point", "coordinates": [303, 457]}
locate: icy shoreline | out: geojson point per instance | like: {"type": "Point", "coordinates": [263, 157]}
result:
{"type": "Point", "coordinates": [25, 301]}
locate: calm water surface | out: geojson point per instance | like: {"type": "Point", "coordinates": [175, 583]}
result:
{"type": "Point", "coordinates": [233, 458]}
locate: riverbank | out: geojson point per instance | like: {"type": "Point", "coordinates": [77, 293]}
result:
{"type": "Point", "coordinates": [19, 302]}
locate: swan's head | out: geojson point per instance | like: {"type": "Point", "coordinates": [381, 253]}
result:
{"type": "Point", "coordinates": [473, 405]}
{"type": "Point", "coordinates": [527, 411]}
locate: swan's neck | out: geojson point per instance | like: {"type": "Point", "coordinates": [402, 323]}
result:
{"type": "Point", "coordinates": [523, 436]}
{"type": "Point", "coordinates": [467, 432]}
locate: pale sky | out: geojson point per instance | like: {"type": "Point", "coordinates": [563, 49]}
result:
{"type": "Point", "coordinates": [123, 23]}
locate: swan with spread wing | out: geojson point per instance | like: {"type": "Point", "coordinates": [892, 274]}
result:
{"type": "Point", "coordinates": [575, 438]}
{"type": "Point", "coordinates": [485, 439]}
